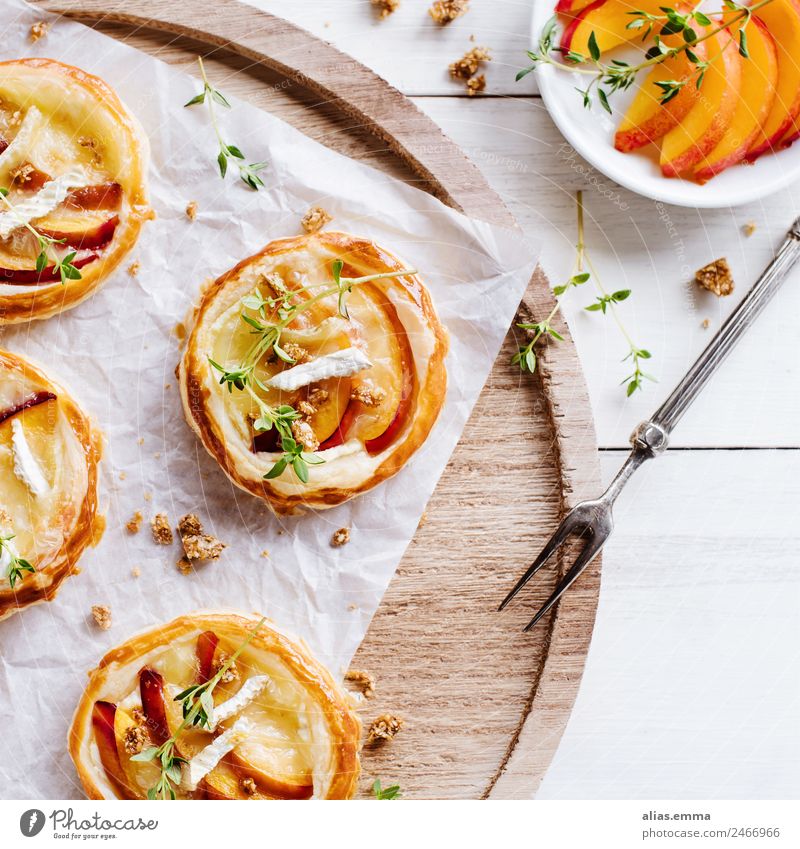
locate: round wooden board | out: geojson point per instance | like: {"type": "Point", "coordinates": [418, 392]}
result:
{"type": "Point", "coordinates": [484, 704]}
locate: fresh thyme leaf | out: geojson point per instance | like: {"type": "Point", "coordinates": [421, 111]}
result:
{"type": "Point", "coordinates": [743, 44]}
{"type": "Point", "coordinates": [17, 566]}
{"type": "Point", "coordinates": [594, 49]}
{"type": "Point", "coordinates": [387, 793]}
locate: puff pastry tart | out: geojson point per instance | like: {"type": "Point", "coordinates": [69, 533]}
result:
{"type": "Point", "coordinates": [48, 485]}
{"type": "Point", "coordinates": [214, 706]}
{"type": "Point", "coordinates": [73, 160]}
{"type": "Point", "coordinates": [314, 370]}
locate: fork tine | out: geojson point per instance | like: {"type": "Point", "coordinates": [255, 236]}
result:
{"type": "Point", "coordinates": [561, 533]}
{"type": "Point", "coordinates": [590, 551]}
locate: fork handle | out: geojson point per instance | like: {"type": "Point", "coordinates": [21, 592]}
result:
{"type": "Point", "coordinates": [653, 435]}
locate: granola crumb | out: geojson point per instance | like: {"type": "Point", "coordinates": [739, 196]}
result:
{"type": "Point", "coordinates": [368, 395]}
{"type": "Point", "coordinates": [140, 440]}
{"type": "Point", "coordinates": [133, 268]}
{"type": "Point", "coordinates": [469, 63]}
{"type": "Point", "coordinates": [716, 277]}
{"type": "Point", "coordinates": [22, 173]}
{"type": "Point", "coordinates": [135, 738]}
{"type": "Point", "coordinates": [231, 673]}
{"type": "Point", "coordinates": [136, 572]}
{"type": "Point", "coordinates": [248, 786]}
{"type": "Point", "coordinates": [363, 680]}
{"type": "Point", "coordinates": [305, 409]}
{"type": "Point", "coordinates": [38, 30]}
{"type": "Point", "coordinates": [476, 84]}
{"type": "Point", "coordinates": [88, 142]}
{"type": "Point", "coordinates": [706, 324]}
{"type": "Point", "coordinates": [275, 283]}
{"type": "Point", "coordinates": [352, 606]}
{"type": "Point", "coordinates": [446, 11]}
{"type": "Point", "coordinates": [148, 496]}
{"type": "Point", "coordinates": [749, 228]}
{"type": "Point", "coordinates": [317, 396]}
{"type": "Point", "coordinates": [265, 554]}
{"type": "Point", "coordinates": [191, 210]}
{"type": "Point", "coordinates": [196, 544]}
{"type": "Point", "coordinates": [385, 727]}
{"type": "Point", "coordinates": [316, 218]}
{"type": "Point", "coordinates": [297, 352]}
{"type": "Point", "coordinates": [162, 532]}
{"type": "Point", "coordinates": [304, 435]}
{"type": "Point", "coordinates": [122, 476]}
{"type": "Point", "coordinates": [184, 566]}
{"type": "Point", "coordinates": [138, 716]}
{"type": "Point", "coordinates": [340, 537]}
{"type": "Point", "coordinates": [102, 616]}
{"type": "Point", "coordinates": [385, 8]}
{"type": "Point", "coordinates": [134, 524]}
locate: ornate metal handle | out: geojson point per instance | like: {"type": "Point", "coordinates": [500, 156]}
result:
{"type": "Point", "coordinates": [651, 437]}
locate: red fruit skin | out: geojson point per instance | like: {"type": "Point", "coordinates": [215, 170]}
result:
{"type": "Point", "coordinates": [151, 688]}
{"type": "Point", "coordinates": [103, 715]}
{"type": "Point", "coordinates": [96, 238]}
{"type": "Point", "coordinates": [24, 276]}
{"type": "Point", "coordinates": [102, 196]}
{"type": "Point", "coordinates": [382, 442]}
{"type": "Point", "coordinates": [34, 401]}
{"type": "Point", "coordinates": [206, 647]}
{"type": "Point", "coordinates": [338, 436]}
{"type": "Point", "coordinates": [569, 31]}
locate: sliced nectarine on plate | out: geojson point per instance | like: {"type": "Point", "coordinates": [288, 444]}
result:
{"type": "Point", "coordinates": [756, 96]}
{"type": "Point", "coordinates": [571, 7]}
{"type": "Point", "coordinates": [647, 118]}
{"type": "Point", "coordinates": [702, 129]}
{"type": "Point", "coordinates": [608, 20]}
{"type": "Point", "coordinates": [782, 19]}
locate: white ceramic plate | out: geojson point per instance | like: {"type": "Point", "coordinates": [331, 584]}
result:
{"type": "Point", "coordinates": [591, 134]}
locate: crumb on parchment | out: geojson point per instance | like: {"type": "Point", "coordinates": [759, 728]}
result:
{"type": "Point", "coordinates": [197, 545]}
{"type": "Point", "coordinates": [705, 324]}
{"type": "Point", "coordinates": [162, 532]}
{"type": "Point", "coordinates": [133, 268]}
{"type": "Point", "coordinates": [749, 228]}
{"type": "Point", "coordinates": [315, 219]}
{"type": "Point", "coordinates": [191, 210]}
{"type": "Point", "coordinates": [446, 11]}
{"type": "Point", "coordinates": [38, 30]}
{"type": "Point", "coordinates": [102, 616]}
{"type": "Point", "coordinates": [184, 565]}
{"type": "Point", "coordinates": [340, 537]}
{"type": "Point", "coordinates": [716, 277]}
{"type": "Point", "coordinates": [469, 63]}
{"type": "Point", "coordinates": [385, 727]}
{"type": "Point", "coordinates": [476, 84]}
{"type": "Point", "coordinates": [134, 524]}
{"type": "Point", "coordinates": [363, 680]}
{"type": "Point", "coordinates": [136, 572]}
{"type": "Point", "coordinates": [265, 554]}
{"type": "Point", "coordinates": [385, 7]}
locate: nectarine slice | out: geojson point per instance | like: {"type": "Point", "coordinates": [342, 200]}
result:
{"type": "Point", "coordinates": [702, 129]}
{"type": "Point", "coordinates": [782, 18]}
{"type": "Point", "coordinates": [571, 7]}
{"type": "Point", "coordinates": [647, 119]}
{"type": "Point", "coordinates": [608, 20]}
{"type": "Point", "coordinates": [756, 96]}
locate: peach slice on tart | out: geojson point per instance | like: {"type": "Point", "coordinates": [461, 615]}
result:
{"type": "Point", "coordinates": [49, 453]}
{"type": "Point", "coordinates": [73, 163]}
{"type": "Point", "coordinates": [270, 723]}
{"type": "Point", "coordinates": [782, 19]}
{"type": "Point", "coordinates": [756, 99]}
{"type": "Point", "coordinates": [314, 370]}
{"type": "Point", "coordinates": [705, 125]}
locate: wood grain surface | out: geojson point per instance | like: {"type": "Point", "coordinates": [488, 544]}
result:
{"type": "Point", "coordinates": [484, 705]}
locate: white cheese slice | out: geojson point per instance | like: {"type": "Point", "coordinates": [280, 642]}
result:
{"type": "Point", "coordinates": [193, 772]}
{"type": "Point", "coordinates": [247, 692]}
{"type": "Point", "coordinates": [45, 200]}
{"type": "Point", "coordinates": [26, 467]}
{"type": "Point", "coordinates": [19, 151]}
{"type": "Point", "coordinates": [341, 363]}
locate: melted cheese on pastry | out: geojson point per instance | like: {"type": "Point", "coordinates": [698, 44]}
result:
{"type": "Point", "coordinates": [292, 732]}
{"type": "Point", "coordinates": [363, 419]}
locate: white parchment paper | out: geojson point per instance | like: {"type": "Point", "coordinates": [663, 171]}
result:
{"type": "Point", "coordinates": [117, 352]}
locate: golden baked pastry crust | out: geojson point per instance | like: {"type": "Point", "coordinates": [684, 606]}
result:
{"type": "Point", "coordinates": [348, 470]}
{"type": "Point", "coordinates": [96, 112]}
{"type": "Point", "coordinates": [53, 530]}
{"type": "Point", "coordinates": [335, 732]}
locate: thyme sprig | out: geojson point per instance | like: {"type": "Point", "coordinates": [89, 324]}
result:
{"type": "Point", "coordinates": [17, 566]}
{"type": "Point", "coordinates": [386, 793]}
{"type": "Point", "coordinates": [607, 78]}
{"type": "Point", "coordinates": [248, 171]}
{"type": "Point", "coordinates": [197, 703]}
{"type": "Point", "coordinates": [604, 303]}
{"type": "Point", "coordinates": [285, 306]}
{"type": "Point", "coordinates": [63, 264]}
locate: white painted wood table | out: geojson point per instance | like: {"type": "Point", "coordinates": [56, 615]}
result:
{"type": "Point", "coordinates": [692, 688]}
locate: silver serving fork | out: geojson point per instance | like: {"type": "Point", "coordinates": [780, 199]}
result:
{"type": "Point", "coordinates": [593, 520]}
